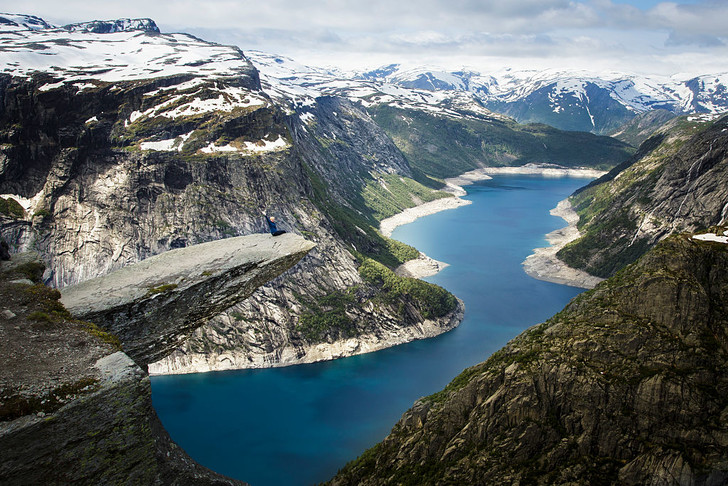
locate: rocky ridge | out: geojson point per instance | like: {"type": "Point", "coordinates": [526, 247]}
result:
{"type": "Point", "coordinates": [627, 385]}
{"type": "Point", "coordinates": [676, 182]}
{"type": "Point", "coordinates": [73, 407]}
{"type": "Point", "coordinates": [153, 305]}
{"type": "Point", "coordinates": [597, 102]}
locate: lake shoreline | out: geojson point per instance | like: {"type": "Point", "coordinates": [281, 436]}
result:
{"type": "Point", "coordinates": [542, 264]}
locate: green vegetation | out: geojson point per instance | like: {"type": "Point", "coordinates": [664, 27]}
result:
{"type": "Point", "coordinates": [356, 228]}
{"type": "Point", "coordinates": [161, 289]}
{"type": "Point", "coordinates": [612, 208]}
{"type": "Point", "coordinates": [430, 300]}
{"type": "Point", "coordinates": [12, 208]}
{"type": "Point", "coordinates": [445, 147]}
{"type": "Point", "coordinates": [326, 315]}
{"type": "Point", "coordinates": [13, 405]}
{"type": "Point", "coordinates": [32, 270]}
{"type": "Point", "coordinates": [41, 213]}
{"type": "Point", "coordinates": [392, 193]}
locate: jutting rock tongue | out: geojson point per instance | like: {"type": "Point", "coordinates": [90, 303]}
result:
{"type": "Point", "coordinates": [153, 305]}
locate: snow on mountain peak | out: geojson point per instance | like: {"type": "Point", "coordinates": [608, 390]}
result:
{"type": "Point", "coordinates": [109, 51]}
{"type": "Point", "coordinates": [11, 22]}
{"type": "Point", "coordinates": [111, 26]}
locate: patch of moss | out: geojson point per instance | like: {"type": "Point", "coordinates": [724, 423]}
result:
{"type": "Point", "coordinates": [14, 405]}
{"type": "Point", "coordinates": [12, 208]}
{"type": "Point", "coordinates": [41, 213]}
{"type": "Point", "coordinates": [99, 333]}
{"type": "Point", "coordinates": [326, 316]}
{"type": "Point", "coordinates": [161, 289]}
{"type": "Point", "coordinates": [431, 300]}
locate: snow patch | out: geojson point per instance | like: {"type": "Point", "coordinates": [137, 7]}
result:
{"type": "Point", "coordinates": [711, 237]}
{"type": "Point", "coordinates": [51, 86]}
{"type": "Point", "coordinates": [168, 145]}
{"type": "Point", "coordinates": [255, 147]}
{"type": "Point", "coordinates": [266, 146]}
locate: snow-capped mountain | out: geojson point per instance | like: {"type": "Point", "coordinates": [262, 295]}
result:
{"type": "Point", "coordinates": [9, 22]}
{"type": "Point", "coordinates": [571, 100]}
{"type": "Point", "coordinates": [575, 100]}
{"type": "Point", "coordinates": [109, 51]}
{"type": "Point", "coordinates": [109, 26]}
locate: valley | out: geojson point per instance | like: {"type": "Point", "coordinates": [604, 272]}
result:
{"type": "Point", "coordinates": [122, 144]}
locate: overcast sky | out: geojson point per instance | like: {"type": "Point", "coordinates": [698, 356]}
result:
{"type": "Point", "coordinates": [644, 36]}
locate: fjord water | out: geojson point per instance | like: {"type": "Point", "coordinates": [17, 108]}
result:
{"type": "Point", "coordinates": [298, 425]}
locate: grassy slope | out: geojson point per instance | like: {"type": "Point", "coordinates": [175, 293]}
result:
{"type": "Point", "coordinates": [440, 146]}
{"type": "Point", "coordinates": [610, 208]}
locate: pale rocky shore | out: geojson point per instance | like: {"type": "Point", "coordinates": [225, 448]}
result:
{"type": "Point", "coordinates": [234, 359]}
{"type": "Point", "coordinates": [543, 263]}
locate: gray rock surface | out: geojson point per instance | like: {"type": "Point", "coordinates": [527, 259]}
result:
{"type": "Point", "coordinates": [110, 435]}
{"type": "Point", "coordinates": [677, 182]}
{"type": "Point", "coordinates": [626, 386]}
{"type": "Point", "coordinates": [73, 408]}
{"type": "Point", "coordinates": [153, 305]}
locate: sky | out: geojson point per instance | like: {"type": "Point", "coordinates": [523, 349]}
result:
{"type": "Point", "coordinates": [635, 36]}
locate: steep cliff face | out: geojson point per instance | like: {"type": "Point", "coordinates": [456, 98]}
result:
{"type": "Point", "coordinates": [627, 385]}
{"type": "Point", "coordinates": [73, 408]}
{"type": "Point", "coordinates": [678, 181]}
{"type": "Point", "coordinates": [153, 305]}
{"type": "Point", "coordinates": [120, 164]}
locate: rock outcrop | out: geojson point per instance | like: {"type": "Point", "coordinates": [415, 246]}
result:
{"type": "Point", "coordinates": [154, 305]}
{"type": "Point", "coordinates": [627, 385]}
{"type": "Point", "coordinates": [116, 167]}
{"type": "Point", "coordinates": [74, 409]}
{"type": "Point", "coordinates": [678, 181]}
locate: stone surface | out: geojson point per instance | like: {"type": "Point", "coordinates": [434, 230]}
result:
{"type": "Point", "coordinates": [74, 409]}
{"type": "Point", "coordinates": [627, 385]}
{"type": "Point", "coordinates": [677, 182]}
{"type": "Point", "coordinates": [153, 305]}
{"type": "Point", "coordinates": [109, 436]}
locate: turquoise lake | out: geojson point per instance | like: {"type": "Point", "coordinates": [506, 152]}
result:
{"type": "Point", "coordinates": [299, 425]}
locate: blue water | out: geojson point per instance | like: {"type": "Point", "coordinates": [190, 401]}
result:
{"type": "Point", "coordinates": [299, 425]}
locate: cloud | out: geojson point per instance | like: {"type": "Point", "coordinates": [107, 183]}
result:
{"type": "Point", "coordinates": [699, 40]}
{"type": "Point", "coordinates": [613, 33]}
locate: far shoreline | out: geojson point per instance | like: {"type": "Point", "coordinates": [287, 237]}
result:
{"type": "Point", "coordinates": [542, 264]}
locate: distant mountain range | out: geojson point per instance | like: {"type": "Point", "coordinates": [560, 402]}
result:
{"type": "Point", "coordinates": [570, 100]}
{"type": "Point", "coordinates": [598, 102]}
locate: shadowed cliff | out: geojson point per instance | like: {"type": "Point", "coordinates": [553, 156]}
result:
{"type": "Point", "coordinates": [74, 408]}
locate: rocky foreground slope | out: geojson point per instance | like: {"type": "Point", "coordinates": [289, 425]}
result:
{"type": "Point", "coordinates": [74, 408]}
{"type": "Point", "coordinates": [627, 385]}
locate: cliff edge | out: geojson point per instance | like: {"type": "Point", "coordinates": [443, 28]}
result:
{"type": "Point", "coordinates": [75, 408]}
{"type": "Point", "coordinates": [153, 305]}
{"type": "Point", "coordinates": [627, 385]}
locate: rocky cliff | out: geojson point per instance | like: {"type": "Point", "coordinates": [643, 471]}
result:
{"type": "Point", "coordinates": [74, 409]}
{"type": "Point", "coordinates": [153, 306]}
{"type": "Point", "coordinates": [677, 181]}
{"type": "Point", "coordinates": [117, 163]}
{"type": "Point", "coordinates": [627, 385]}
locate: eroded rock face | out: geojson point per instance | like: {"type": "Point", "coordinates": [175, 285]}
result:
{"type": "Point", "coordinates": [73, 408]}
{"type": "Point", "coordinates": [627, 385]}
{"type": "Point", "coordinates": [109, 436]}
{"type": "Point", "coordinates": [154, 305]}
{"type": "Point", "coordinates": [676, 182]}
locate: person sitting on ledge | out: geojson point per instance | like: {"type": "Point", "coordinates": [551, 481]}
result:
{"type": "Point", "coordinates": [272, 225]}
